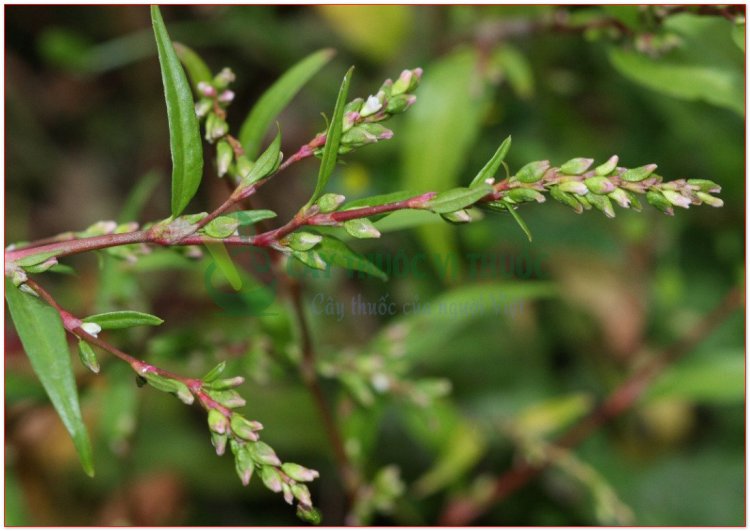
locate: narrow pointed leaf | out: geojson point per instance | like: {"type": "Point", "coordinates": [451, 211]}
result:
{"type": "Point", "coordinates": [266, 163]}
{"type": "Point", "coordinates": [458, 198]}
{"type": "Point", "coordinates": [376, 200]}
{"type": "Point", "coordinates": [123, 319]}
{"type": "Point", "coordinates": [335, 252]}
{"type": "Point", "coordinates": [196, 68]}
{"type": "Point", "coordinates": [184, 133]}
{"type": "Point", "coordinates": [490, 169]}
{"type": "Point", "coordinates": [278, 96]}
{"type": "Point", "coordinates": [251, 217]}
{"type": "Point", "coordinates": [333, 139]}
{"type": "Point", "coordinates": [43, 338]}
{"type": "Point", "coordinates": [520, 221]}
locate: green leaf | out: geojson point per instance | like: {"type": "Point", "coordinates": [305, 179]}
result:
{"type": "Point", "coordinates": [214, 373]}
{"type": "Point", "coordinates": [43, 337]}
{"type": "Point", "coordinates": [196, 68]}
{"type": "Point", "coordinates": [278, 96]}
{"type": "Point", "coordinates": [251, 217]}
{"type": "Point", "coordinates": [490, 169]}
{"type": "Point", "coordinates": [704, 66]}
{"type": "Point", "coordinates": [333, 139]}
{"type": "Point", "coordinates": [520, 221]}
{"type": "Point", "coordinates": [376, 200]}
{"type": "Point", "coordinates": [123, 319]}
{"type": "Point", "coordinates": [515, 68]}
{"type": "Point", "coordinates": [266, 163]}
{"type": "Point", "coordinates": [184, 133]}
{"type": "Point", "coordinates": [440, 133]}
{"type": "Point", "coordinates": [458, 198]}
{"type": "Point", "coordinates": [738, 35]}
{"type": "Point", "coordinates": [335, 252]}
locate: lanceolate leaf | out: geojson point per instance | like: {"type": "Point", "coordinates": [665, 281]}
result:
{"type": "Point", "coordinates": [278, 96]}
{"type": "Point", "coordinates": [376, 200]}
{"type": "Point", "coordinates": [520, 221]}
{"type": "Point", "coordinates": [266, 163]}
{"type": "Point", "coordinates": [333, 139]}
{"type": "Point", "coordinates": [196, 68]}
{"type": "Point", "coordinates": [123, 319]}
{"type": "Point", "coordinates": [490, 169]}
{"type": "Point", "coordinates": [250, 217]}
{"type": "Point", "coordinates": [335, 252]}
{"type": "Point", "coordinates": [184, 133]}
{"type": "Point", "coordinates": [458, 198]}
{"type": "Point", "coordinates": [43, 338]}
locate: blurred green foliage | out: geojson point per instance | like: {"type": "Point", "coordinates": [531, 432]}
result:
{"type": "Point", "coordinates": [85, 121]}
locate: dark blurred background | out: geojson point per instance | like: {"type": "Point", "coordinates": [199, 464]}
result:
{"type": "Point", "coordinates": [85, 122]}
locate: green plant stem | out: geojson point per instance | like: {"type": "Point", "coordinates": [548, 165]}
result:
{"type": "Point", "coordinates": [462, 512]}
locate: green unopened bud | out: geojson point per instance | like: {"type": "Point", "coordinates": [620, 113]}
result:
{"type": "Point", "coordinates": [378, 131]}
{"type": "Point", "coordinates": [330, 202]}
{"type": "Point", "coordinates": [286, 489]}
{"type": "Point", "coordinates": [302, 493]}
{"type": "Point", "coordinates": [184, 394]}
{"type": "Point", "coordinates": [354, 106]}
{"type": "Point", "coordinates": [710, 200]}
{"type": "Point", "coordinates": [566, 199]}
{"type": "Point", "coordinates": [309, 514]}
{"type": "Point", "coordinates": [206, 90]}
{"type": "Point", "coordinates": [41, 267]}
{"type": "Point", "coordinates": [215, 128]}
{"type": "Point", "coordinates": [704, 185]}
{"type": "Point", "coordinates": [19, 277]}
{"type": "Point", "coordinates": [361, 228]}
{"type": "Point", "coordinates": [608, 167]}
{"type": "Point", "coordinates": [603, 204]}
{"type": "Point", "coordinates": [407, 81]}
{"type": "Point", "coordinates": [224, 78]}
{"type": "Point", "coordinates": [203, 107]}
{"type": "Point", "coordinates": [638, 174]}
{"type": "Point", "coordinates": [399, 104]}
{"type": "Point", "coordinates": [620, 197]}
{"type": "Point", "coordinates": [243, 463]}
{"type": "Point", "coordinates": [357, 137]}
{"type": "Point", "coordinates": [217, 422]}
{"type": "Point", "coordinates": [221, 227]}
{"type": "Point", "coordinates": [635, 203]}
{"type": "Point", "coordinates": [224, 156]}
{"type": "Point", "coordinates": [263, 454]}
{"type": "Point", "coordinates": [227, 398]}
{"type": "Point", "coordinates": [219, 443]}
{"type": "Point", "coordinates": [658, 200]}
{"type": "Point", "coordinates": [349, 120]}
{"type": "Point", "coordinates": [457, 217]}
{"type": "Point", "coordinates": [533, 171]}
{"type": "Point", "coordinates": [242, 167]}
{"type": "Point", "coordinates": [576, 166]}
{"type": "Point", "coordinates": [524, 195]}
{"type": "Point", "coordinates": [310, 259]}
{"type": "Point", "coordinates": [88, 357]}
{"type": "Point", "coordinates": [299, 472]}
{"type": "Point", "coordinates": [303, 241]}
{"type": "Point", "coordinates": [271, 478]}
{"type": "Point", "coordinates": [676, 198]}
{"type": "Point", "coordinates": [600, 185]}
{"type": "Point", "coordinates": [245, 429]}
{"type": "Point", "coordinates": [573, 187]}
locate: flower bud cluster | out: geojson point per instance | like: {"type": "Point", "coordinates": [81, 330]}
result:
{"type": "Point", "coordinates": [362, 117]}
{"type": "Point", "coordinates": [252, 455]}
{"type": "Point", "coordinates": [581, 188]}
{"type": "Point", "coordinates": [383, 370]}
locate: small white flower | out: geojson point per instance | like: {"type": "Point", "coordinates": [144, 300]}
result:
{"type": "Point", "coordinates": [91, 329]}
{"type": "Point", "coordinates": [371, 106]}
